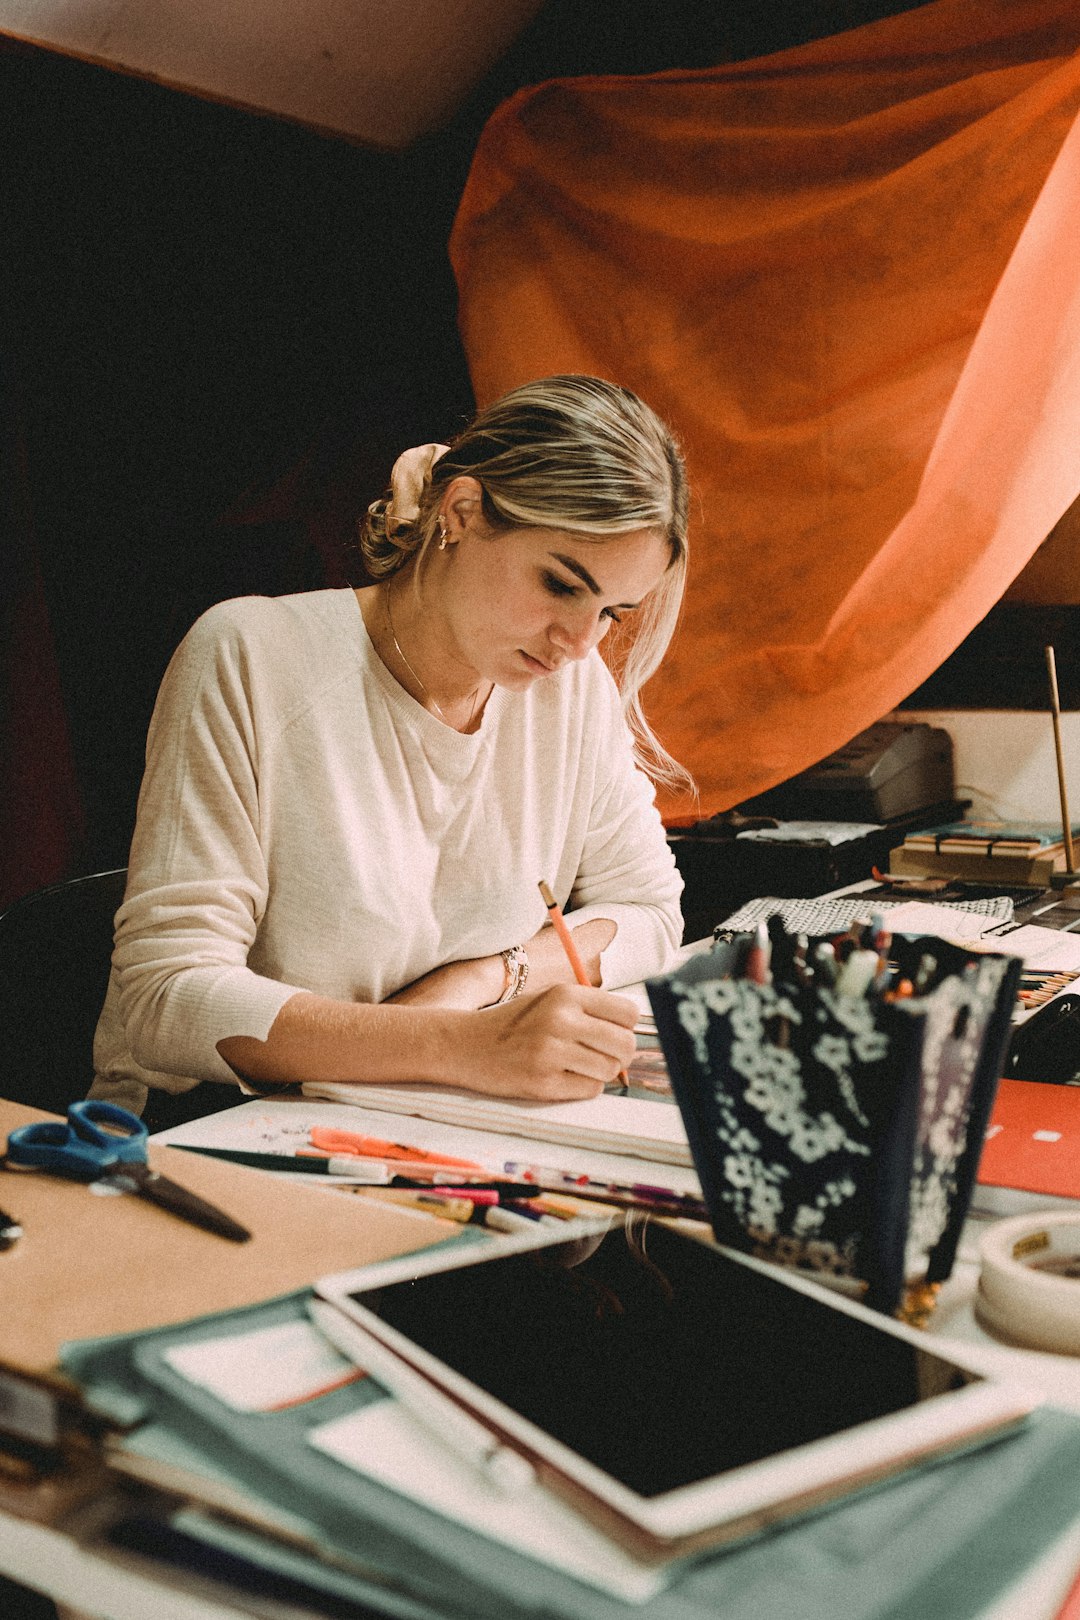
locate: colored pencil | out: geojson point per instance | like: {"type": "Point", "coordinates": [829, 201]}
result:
{"type": "Point", "coordinates": [566, 938]}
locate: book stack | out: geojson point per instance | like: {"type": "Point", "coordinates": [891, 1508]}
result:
{"type": "Point", "coordinates": [1006, 852]}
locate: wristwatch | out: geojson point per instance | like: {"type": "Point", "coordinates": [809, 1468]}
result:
{"type": "Point", "coordinates": [516, 963]}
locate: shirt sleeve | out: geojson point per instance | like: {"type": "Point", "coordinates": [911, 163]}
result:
{"type": "Point", "coordinates": [627, 871]}
{"type": "Point", "coordinates": [197, 876]}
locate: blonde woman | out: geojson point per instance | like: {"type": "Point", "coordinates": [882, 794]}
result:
{"type": "Point", "coordinates": [350, 796]}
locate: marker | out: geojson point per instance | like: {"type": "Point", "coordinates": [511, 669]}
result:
{"type": "Point", "coordinates": [509, 1220]}
{"type": "Point", "coordinates": [824, 964]}
{"type": "Point", "coordinates": [924, 973]}
{"type": "Point", "coordinates": [499, 1465]}
{"type": "Point", "coordinates": [632, 1194]}
{"type": "Point", "coordinates": [858, 972]}
{"type": "Point", "coordinates": [479, 1192]}
{"type": "Point", "coordinates": [759, 952]}
{"type": "Point", "coordinates": [334, 1142]}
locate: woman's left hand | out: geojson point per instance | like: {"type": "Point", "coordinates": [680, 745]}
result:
{"type": "Point", "coordinates": [479, 982]}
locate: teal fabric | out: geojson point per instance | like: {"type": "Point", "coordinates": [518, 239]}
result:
{"type": "Point", "coordinates": [941, 1541]}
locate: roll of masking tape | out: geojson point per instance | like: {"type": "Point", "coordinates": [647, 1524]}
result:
{"type": "Point", "coordinates": [1029, 1284]}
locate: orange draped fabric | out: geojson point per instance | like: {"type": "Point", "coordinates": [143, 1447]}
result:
{"type": "Point", "coordinates": [849, 276]}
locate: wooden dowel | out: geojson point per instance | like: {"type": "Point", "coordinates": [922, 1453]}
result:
{"type": "Point", "coordinates": [1055, 714]}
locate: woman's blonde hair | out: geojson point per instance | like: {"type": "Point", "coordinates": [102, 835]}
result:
{"type": "Point", "coordinates": [577, 454]}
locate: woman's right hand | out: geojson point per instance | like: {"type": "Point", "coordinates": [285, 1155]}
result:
{"type": "Point", "coordinates": [558, 1044]}
{"type": "Point", "coordinates": [564, 1043]}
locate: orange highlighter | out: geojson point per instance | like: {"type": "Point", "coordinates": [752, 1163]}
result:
{"type": "Point", "coordinates": [337, 1143]}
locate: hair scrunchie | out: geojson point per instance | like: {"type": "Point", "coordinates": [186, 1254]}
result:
{"type": "Point", "coordinates": [410, 472]}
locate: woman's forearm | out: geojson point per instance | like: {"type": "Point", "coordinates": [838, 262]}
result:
{"type": "Point", "coordinates": [480, 982]}
{"type": "Point", "coordinates": [562, 1042]}
{"type": "Point", "coordinates": [316, 1038]}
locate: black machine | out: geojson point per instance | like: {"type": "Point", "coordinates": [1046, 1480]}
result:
{"type": "Point", "coordinates": [889, 771]}
{"type": "Point", "coordinates": [894, 776]}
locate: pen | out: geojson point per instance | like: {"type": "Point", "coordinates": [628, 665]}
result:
{"type": "Point", "coordinates": [465, 1435]}
{"type": "Point", "coordinates": [462, 1210]}
{"type": "Point", "coordinates": [565, 1207]}
{"type": "Point", "coordinates": [374, 1172]}
{"type": "Point", "coordinates": [454, 1204]}
{"type": "Point", "coordinates": [633, 1194]}
{"type": "Point", "coordinates": [566, 939]}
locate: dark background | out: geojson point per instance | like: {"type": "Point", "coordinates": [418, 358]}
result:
{"type": "Point", "coordinates": [216, 332]}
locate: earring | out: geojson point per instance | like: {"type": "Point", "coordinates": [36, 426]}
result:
{"type": "Point", "coordinates": [442, 533]}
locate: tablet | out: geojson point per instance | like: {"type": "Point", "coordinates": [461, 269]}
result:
{"type": "Point", "coordinates": [678, 1393]}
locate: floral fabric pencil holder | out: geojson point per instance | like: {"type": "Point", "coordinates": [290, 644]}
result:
{"type": "Point", "coordinates": [841, 1133]}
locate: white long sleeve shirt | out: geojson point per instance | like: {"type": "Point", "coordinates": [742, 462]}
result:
{"type": "Point", "coordinates": [305, 824]}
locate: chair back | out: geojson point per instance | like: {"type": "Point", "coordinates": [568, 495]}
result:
{"type": "Point", "coordinates": [55, 950]}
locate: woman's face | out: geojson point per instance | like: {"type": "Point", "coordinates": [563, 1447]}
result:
{"type": "Point", "coordinates": [522, 603]}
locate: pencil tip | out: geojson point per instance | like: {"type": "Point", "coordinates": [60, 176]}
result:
{"type": "Point", "coordinates": [546, 894]}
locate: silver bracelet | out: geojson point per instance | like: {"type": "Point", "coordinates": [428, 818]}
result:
{"type": "Point", "coordinates": [516, 963]}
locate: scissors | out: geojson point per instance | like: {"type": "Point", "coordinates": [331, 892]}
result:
{"type": "Point", "coordinates": [103, 1142]}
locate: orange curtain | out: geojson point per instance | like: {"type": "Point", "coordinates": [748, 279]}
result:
{"type": "Point", "coordinates": [849, 276]}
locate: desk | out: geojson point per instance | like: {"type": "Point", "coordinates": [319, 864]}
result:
{"type": "Point", "coordinates": [100, 1583]}
{"type": "Point", "coordinates": [95, 1581]}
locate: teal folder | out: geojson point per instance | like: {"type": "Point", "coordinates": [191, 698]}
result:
{"type": "Point", "coordinates": [944, 1540]}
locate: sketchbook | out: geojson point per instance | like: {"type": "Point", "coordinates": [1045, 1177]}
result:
{"type": "Point", "coordinates": [643, 1126]}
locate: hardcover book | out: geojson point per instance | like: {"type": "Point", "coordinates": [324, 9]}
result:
{"type": "Point", "coordinates": [992, 837]}
{"type": "Point", "coordinates": [978, 865]}
{"type": "Point", "coordinates": [1006, 851]}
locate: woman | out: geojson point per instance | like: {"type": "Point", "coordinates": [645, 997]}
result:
{"type": "Point", "coordinates": [350, 797]}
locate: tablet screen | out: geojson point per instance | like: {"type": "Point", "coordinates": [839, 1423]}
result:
{"type": "Point", "coordinates": [659, 1359]}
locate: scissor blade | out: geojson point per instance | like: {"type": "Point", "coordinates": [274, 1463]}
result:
{"type": "Point", "coordinates": [179, 1201]}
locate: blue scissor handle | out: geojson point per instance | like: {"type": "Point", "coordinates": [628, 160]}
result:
{"type": "Point", "coordinates": [80, 1147]}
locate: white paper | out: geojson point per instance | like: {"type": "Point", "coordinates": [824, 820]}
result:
{"type": "Point", "coordinates": [266, 1369]}
{"type": "Point", "coordinates": [811, 832]}
{"type": "Point", "coordinates": [1040, 947]}
{"type": "Point", "coordinates": [944, 922]}
{"type": "Point", "coordinates": [385, 1443]}
{"type": "Point", "coordinates": [282, 1124]}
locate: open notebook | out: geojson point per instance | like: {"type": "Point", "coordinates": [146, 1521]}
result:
{"type": "Point", "coordinates": [641, 1121]}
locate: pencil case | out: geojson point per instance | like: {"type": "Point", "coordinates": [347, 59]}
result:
{"type": "Point", "coordinates": [841, 1133]}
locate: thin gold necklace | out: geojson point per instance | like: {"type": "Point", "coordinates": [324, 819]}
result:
{"type": "Point", "coordinates": [436, 705]}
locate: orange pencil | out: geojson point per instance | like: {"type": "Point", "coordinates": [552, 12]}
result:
{"type": "Point", "coordinates": [567, 940]}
